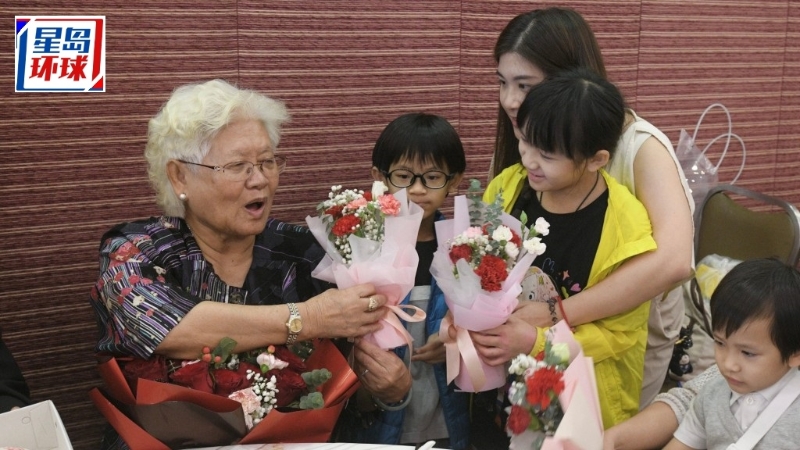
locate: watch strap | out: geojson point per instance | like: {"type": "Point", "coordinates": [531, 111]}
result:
{"type": "Point", "coordinates": [294, 313]}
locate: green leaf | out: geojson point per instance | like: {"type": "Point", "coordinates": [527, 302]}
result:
{"type": "Point", "coordinates": [224, 348]}
{"type": "Point", "coordinates": [312, 401]}
{"type": "Point", "coordinates": [316, 377]}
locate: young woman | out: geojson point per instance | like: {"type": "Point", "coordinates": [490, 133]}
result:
{"type": "Point", "coordinates": [537, 45]}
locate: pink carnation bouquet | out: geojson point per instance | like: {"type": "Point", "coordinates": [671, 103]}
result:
{"type": "Point", "coordinates": [370, 237]}
{"type": "Point", "coordinates": [483, 256]}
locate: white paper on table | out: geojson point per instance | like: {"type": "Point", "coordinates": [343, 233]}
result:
{"type": "Point", "coordinates": [34, 427]}
{"type": "Point", "coordinates": [327, 446]}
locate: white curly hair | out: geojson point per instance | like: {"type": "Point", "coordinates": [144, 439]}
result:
{"type": "Point", "coordinates": [189, 121]}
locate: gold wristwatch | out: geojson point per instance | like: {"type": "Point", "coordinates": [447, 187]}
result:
{"type": "Point", "coordinates": [294, 324]}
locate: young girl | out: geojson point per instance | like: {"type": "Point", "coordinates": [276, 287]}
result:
{"type": "Point", "coordinates": [423, 154]}
{"type": "Point", "coordinates": [537, 45]}
{"type": "Point", "coordinates": [754, 315]}
{"type": "Point", "coordinates": [569, 126]}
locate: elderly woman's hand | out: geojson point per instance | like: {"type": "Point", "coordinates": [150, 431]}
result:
{"type": "Point", "coordinates": [350, 312]}
{"type": "Point", "coordinates": [381, 372]}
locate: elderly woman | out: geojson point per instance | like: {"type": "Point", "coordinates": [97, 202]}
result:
{"type": "Point", "coordinates": [216, 265]}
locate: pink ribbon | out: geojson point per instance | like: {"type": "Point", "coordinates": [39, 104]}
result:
{"type": "Point", "coordinates": [461, 352]}
{"type": "Point", "coordinates": [394, 334]}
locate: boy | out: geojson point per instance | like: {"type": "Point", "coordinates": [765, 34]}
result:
{"type": "Point", "coordinates": [755, 316]}
{"type": "Point", "coordinates": [423, 154]}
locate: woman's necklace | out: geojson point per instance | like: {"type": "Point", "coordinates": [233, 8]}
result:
{"type": "Point", "coordinates": [596, 179]}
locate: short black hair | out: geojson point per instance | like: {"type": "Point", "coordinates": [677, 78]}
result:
{"type": "Point", "coordinates": [575, 113]}
{"type": "Point", "coordinates": [755, 289]}
{"type": "Point", "coordinates": [420, 137]}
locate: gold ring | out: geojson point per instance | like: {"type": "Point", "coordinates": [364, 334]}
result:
{"type": "Point", "coordinates": [372, 304]}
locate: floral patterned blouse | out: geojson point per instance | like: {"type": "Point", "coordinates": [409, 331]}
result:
{"type": "Point", "coordinates": [152, 273]}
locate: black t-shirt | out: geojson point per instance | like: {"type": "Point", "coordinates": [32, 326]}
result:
{"type": "Point", "coordinates": [425, 250]}
{"type": "Point", "coordinates": [572, 242]}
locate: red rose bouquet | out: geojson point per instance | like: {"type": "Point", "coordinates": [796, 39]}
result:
{"type": "Point", "coordinates": [222, 398]}
{"type": "Point", "coordinates": [370, 237]}
{"type": "Point", "coordinates": [482, 258]}
{"type": "Point", "coordinates": [554, 402]}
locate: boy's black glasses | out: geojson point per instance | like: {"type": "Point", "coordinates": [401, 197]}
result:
{"type": "Point", "coordinates": [432, 179]}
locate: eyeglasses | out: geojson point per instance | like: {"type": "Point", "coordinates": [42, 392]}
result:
{"type": "Point", "coordinates": [432, 179]}
{"type": "Point", "coordinates": [242, 170]}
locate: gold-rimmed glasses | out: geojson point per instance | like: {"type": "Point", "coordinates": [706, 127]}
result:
{"type": "Point", "coordinates": [242, 170]}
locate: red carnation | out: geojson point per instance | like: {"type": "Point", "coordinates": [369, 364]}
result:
{"type": "Point", "coordinates": [227, 381]}
{"type": "Point", "coordinates": [290, 386]}
{"type": "Point", "coordinates": [492, 271]}
{"type": "Point", "coordinates": [344, 226]}
{"type": "Point", "coordinates": [518, 420]}
{"type": "Point", "coordinates": [368, 196]}
{"type": "Point", "coordinates": [544, 385]}
{"type": "Point", "coordinates": [195, 376]}
{"type": "Point", "coordinates": [335, 211]}
{"type": "Point", "coordinates": [462, 251]}
{"type": "Point", "coordinates": [515, 238]}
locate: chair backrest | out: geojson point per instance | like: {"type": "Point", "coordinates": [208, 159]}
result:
{"type": "Point", "coordinates": [728, 228]}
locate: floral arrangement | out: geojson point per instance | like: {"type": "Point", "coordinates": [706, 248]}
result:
{"type": "Point", "coordinates": [261, 380]}
{"type": "Point", "coordinates": [138, 394]}
{"type": "Point", "coordinates": [482, 258]}
{"type": "Point", "coordinates": [370, 237]}
{"type": "Point", "coordinates": [554, 402]}
{"type": "Point", "coordinates": [358, 213]}
{"type": "Point", "coordinates": [535, 405]}
{"type": "Point", "coordinates": [492, 248]}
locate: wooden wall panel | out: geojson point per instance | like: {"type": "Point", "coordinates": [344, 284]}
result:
{"type": "Point", "coordinates": [787, 151]}
{"type": "Point", "coordinates": [695, 54]}
{"type": "Point", "coordinates": [345, 70]}
{"type": "Point", "coordinates": [71, 165]}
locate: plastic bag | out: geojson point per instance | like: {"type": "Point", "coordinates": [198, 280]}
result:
{"type": "Point", "coordinates": [701, 173]}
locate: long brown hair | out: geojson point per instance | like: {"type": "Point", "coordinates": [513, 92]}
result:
{"type": "Point", "coordinates": [552, 39]}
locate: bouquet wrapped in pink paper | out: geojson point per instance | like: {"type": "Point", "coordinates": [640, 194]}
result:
{"type": "Point", "coordinates": [554, 402]}
{"type": "Point", "coordinates": [370, 237]}
{"type": "Point", "coordinates": [482, 258]}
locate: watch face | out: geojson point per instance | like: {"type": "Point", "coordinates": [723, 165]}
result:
{"type": "Point", "coordinates": [295, 325]}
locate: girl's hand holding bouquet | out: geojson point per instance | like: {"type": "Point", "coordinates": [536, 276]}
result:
{"type": "Point", "coordinates": [482, 258]}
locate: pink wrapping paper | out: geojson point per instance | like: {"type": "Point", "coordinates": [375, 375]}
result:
{"type": "Point", "coordinates": [390, 266]}
{"type": "Point", "coordinates": [473, 308]}
{"type": "Point", "coordinates": [581, 428]}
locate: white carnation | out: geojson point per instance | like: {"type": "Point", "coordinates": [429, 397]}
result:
{"type": "Point", "coordinates": [512, 250]}
{"type": "Point", "coordinates": [535, 246]}
{"type": "Point", "coordinates": [502, 233]}
{"type": "Point", "coordinates": [542, 226]}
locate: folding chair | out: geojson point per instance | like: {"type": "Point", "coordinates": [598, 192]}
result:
{"type": "Point", "coordinates": [728, 228]}
{"type": "Point", "coordinates": [740, 224]}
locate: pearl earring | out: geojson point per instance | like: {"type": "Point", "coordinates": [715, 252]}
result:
{"type": "Point", "coordinates": [182, 197]}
